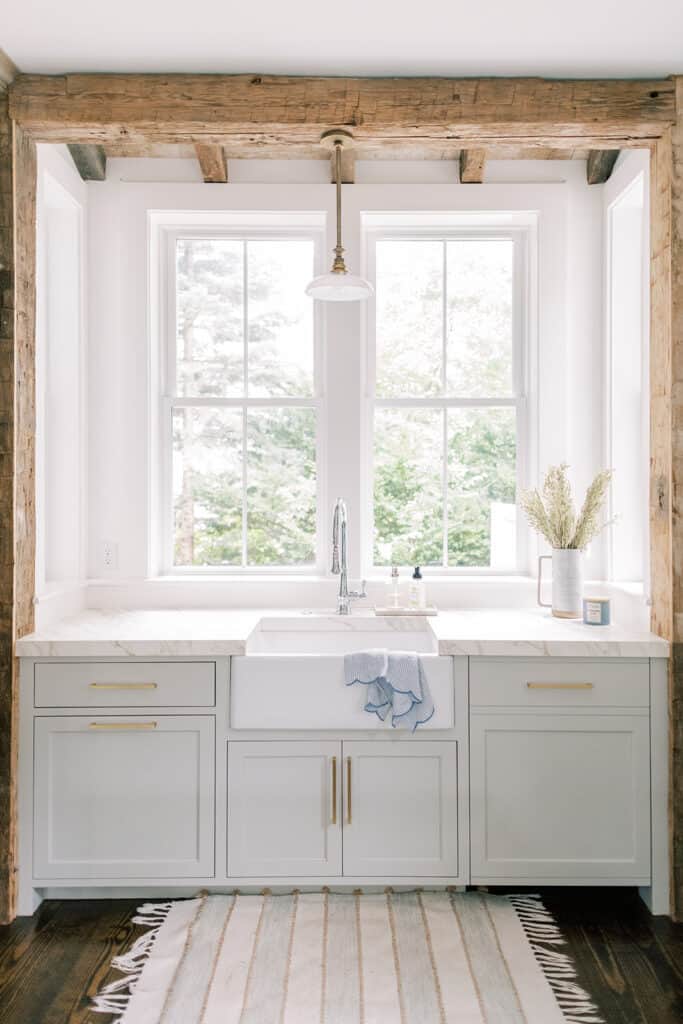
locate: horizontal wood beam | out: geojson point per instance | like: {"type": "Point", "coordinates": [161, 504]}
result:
{"type": "Point", "coordinates": [212, 162]}
{"type": "Point", "coordinates": [600, 165]}
{"type": "Point", "coordinates": [472, 163]}
{"type": "Point", "coordinates": [91, 161]}
{"type": "Point", "coordinates": [222, 109]}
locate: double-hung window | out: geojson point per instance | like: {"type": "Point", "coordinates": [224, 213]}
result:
{"type": "Point", "coordinates": [244, 418]}
{"type": "Point", "coordinates": [242, 404]}
{"type": "Point", "coordinates": [446, 396]}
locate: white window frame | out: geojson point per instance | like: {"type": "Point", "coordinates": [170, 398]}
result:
{"type": "Point", "coordinates": [261, 226]}
{"type": "Point", "coordinates": [342, 350]}
{"type": "Point", "coordinates": [520, 230]}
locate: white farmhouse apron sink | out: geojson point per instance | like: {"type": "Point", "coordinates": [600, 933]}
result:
{"type": "Point", "coordinates": [340, 634]}
{"type": "Point", "coordinates": [292, 676]}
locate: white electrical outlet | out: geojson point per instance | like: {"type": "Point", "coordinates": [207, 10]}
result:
{"type": "Point", "coordinates": [110, 555]}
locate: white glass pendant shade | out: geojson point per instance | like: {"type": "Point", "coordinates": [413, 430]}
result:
{"type": "Point", "coordinates": [339, 287]}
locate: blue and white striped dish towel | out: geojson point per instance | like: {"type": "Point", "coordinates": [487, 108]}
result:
{"type": "Point", "coordinates": [395, 682]}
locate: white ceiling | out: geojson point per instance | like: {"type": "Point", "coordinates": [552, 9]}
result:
{"type": "Point", "coordinates": [574, 38]}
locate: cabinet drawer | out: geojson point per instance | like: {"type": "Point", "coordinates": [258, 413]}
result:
{"type": "Point", "coordinates": [128, 684]}
{"type": "Point", "coordinates": [542, 682]}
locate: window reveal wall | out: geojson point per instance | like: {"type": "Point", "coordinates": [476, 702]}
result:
{"type": "Point", "coordinates": [626, 212]}
{"type": "Point", "coordinates": [61, 215]}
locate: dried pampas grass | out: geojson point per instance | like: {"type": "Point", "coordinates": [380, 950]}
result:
{"type": "Point", "coordinates": [552, 513]}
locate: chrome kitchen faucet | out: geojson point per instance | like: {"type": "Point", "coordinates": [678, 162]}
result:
{"type": "Point", "coordinates": [340, 565]}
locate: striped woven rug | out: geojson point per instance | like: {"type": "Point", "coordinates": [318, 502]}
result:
{"type": "Point", "coordinates": [362, 958]}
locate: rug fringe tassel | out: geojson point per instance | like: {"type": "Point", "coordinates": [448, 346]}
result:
{"type": "Point", "coordinates": [115, 997]}
{"type": "Point", "coordinates": [543, 934]}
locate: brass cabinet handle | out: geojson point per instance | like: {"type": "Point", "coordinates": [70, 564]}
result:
{"type": "Point", "coordinates": [348, 790]}
{"type": "Point", "coordinates": [123, 725]}
{"type": "Point", "coordinates": [334, 791]}
{"type": "Point", "coordinates": [559, 686]}
{"type": "Point", "coordinates": [123, 686]}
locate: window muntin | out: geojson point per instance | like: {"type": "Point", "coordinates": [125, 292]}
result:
{"type": "Point", "coordinates": [244, 405]}
{"type": "Point", "coordinates": [446, 421]}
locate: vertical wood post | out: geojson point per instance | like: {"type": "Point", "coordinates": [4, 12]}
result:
{"type": "Point", "coordinates": [661, 538]}
{"type": "Point", "coordinates": [676, 286]}
{"type": "Point", "coordinates": [7, 702]}
{"type": "Point", "coordinates": [17, 448]}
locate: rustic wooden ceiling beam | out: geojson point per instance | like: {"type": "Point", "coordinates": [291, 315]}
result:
{"type": "Point", "coordinates": [213, 163]}
{"type": "Point", "coordinates": [91, 161]}
{"type": "Point", "coordinates": [215, 109]}
{"type": "Point", "coordinates": [600, 165]}
{"type": "Point", "coordinates": [472, 163]}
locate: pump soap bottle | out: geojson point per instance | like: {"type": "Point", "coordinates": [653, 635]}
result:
{"type": "Point", "coordinates": [417, 597]}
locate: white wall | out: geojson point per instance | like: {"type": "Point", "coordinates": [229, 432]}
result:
{"type": "Point", "coordinates": [627, 314]}
{"type": "Point", "coordinates": [585, 440]}
{"type": "Point", "coordinates": [569, 353]}
{"type": "Point", "coordinates": [60, 385]}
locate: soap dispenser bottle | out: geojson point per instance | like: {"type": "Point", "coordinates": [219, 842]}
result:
{"type": "Point", "coordinates": [394, 593]}
{"type": "Point", "coordinates": [417, 597]}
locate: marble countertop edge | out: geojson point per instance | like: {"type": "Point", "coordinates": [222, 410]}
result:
{"type": "Point", "coordinates": [224, 633]}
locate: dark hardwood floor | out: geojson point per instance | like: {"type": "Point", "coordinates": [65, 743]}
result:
{"type": "Point", "coordinates": [52, 963]}
{"type": "Point", "coordinates": [631, 963]}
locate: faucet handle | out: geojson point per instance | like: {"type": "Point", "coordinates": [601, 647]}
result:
{"type": "Point", "coordinates": [361, 592]}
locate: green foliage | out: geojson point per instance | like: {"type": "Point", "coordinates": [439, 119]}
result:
{"type": "Point", "coordinates": [279, 514]}
{"type": "Point", "coordinates": [480, 443]}
{"type": "Point", "coordinates": [481, 450]}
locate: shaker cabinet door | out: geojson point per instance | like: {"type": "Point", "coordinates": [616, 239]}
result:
{"type": "Point", "coordinates": [562, 796]}
{"type": "Point", "coordinates": [124, 797]}
{"type": "Point", "coordinates": [401, 808]}
{"type": "Point", "coordinates": [283, 809]}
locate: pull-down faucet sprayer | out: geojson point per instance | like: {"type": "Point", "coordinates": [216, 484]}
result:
{"type": "Point", "coordinates": [340, 565]}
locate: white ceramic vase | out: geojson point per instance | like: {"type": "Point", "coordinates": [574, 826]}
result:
{"type": "Point", "coordinates": [567, 583]}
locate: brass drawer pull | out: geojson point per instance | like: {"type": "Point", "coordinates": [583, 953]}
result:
{"type": "Point", "coordinates": [123, 686]}
{"type": "Point", "coordinates": [348, 790]}
{"type": "Point", "coordinates": [123, 725]}
{"type": "Point", "coordinates": [559, 686]}
{"type": "Point", "coordinates": [334, 791]}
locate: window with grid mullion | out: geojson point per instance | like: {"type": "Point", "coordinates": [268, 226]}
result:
{"type": "Point", "coordinates": [444, 472]}
{"type": "Point", "coordinates": [243, 474]}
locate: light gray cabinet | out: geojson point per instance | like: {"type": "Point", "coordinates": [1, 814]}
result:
{"type": "Point", "coordinates": [284, 809]}
{"type": "Point", "coordinates": [401, 809]}
{"type": "Point", "coordinates": [560, 771]}
{"type": "Point", "coordinates": [545, 770]}
{"type": "Point", "coordinates": [124, 797]}
{"type": "Point", "coordinates": [357, 808]}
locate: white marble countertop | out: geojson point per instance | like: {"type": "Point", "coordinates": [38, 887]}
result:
{"type": "Point", "coordinates": [214, 633]}
{"type": "Point", "coordinates": [536, 633]}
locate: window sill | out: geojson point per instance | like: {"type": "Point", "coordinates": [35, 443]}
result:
{"type": "Point", "coordinates": [285, 577]}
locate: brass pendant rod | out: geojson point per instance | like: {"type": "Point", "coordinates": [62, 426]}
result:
{"type": "Point", "coordinates": [338, 266]}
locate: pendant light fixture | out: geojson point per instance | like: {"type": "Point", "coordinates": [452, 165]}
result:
{"type": "Point", "coordinates": [339, 285]}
